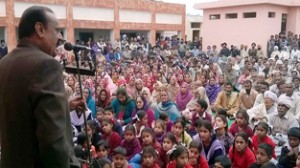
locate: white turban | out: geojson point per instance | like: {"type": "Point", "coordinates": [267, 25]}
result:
{"type": "Point", "coordinates": [271, 95]}
{"type": "Point", "coordinates": [286, 102]}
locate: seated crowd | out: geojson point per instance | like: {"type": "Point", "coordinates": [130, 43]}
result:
{"type": "Point", "coordinates": [175, 105]}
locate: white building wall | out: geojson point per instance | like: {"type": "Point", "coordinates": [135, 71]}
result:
{"type": "Point", "coordinates": [166, 18]}
{"type": "Point", "coordinates": [97, 14]}
{"type": "Point", "coordinates": [59, 10]}
{"type": "Point", "coordinates": [134, 16]}
{"type": "Point", "coordinates": [2, 9]}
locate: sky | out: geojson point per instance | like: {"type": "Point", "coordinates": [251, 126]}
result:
{"type": "Point", "coordinates": [190, 4]}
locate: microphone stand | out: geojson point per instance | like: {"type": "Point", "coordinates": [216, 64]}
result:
{"type": "Point", "coordinates": [77, 59]}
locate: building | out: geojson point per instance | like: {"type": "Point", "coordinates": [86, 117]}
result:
{"type": "Point", "coordinates": [246, 21]}
{"type": "Point", "coordinates": [110, 19]}
{"type": "Point", "coordinates": [192, 27]}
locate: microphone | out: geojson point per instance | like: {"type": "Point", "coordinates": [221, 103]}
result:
{"type": "Point", "coordinates": [69, 47]}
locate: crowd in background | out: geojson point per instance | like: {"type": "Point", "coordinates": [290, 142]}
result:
{"type": "Point", "coordinates": [174, 104]}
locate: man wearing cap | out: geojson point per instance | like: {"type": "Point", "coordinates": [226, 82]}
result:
{"type": "Point", "coordinates": [292, 97]}
{"type": "Point", "coordinates": [263, 110]}
{"type": "Point", "coordinates": [263, 87]}
{"type": "Point", "coordinates": [282, 121]}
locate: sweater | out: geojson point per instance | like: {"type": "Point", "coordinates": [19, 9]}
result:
{"type": "Point", "coordinates": [114, 140]}
{"type": "Point", "coordinates": [241, 161]}
{"type": "Point", "coordinates": [266, 140]}
{"type": "Point", "coordinates": [132, 148]}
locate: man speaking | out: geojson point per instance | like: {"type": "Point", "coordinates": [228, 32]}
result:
{"type": "Point", "coordinates": [34, 110]}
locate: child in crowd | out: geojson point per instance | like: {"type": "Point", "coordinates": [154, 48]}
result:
{"type": "Point", "coordinates": [263, 155]}
{"type": "Point", "coordinates": [102, 149]}
{"type": "Point", "coordinates": [160, 130]}
{"type": "Point", "coordinates": [140, 121]}
{"type": "Point", "coordinates": [181, 135]}
{"type": "Point", "coordinates": [119, 158]}
{"type": "Point", "coordinates": [148, 139]}
{"type": "Point", "coordinates": [298, 161]}
{"type": "Point", "coordinates": [222, 134]}
{"type": "Point", "coordinates": [112, 137]}
{"type": "Point", "coordinates": [261, 136]}
{"type": "Point", "coordinates": [149, 158]}
{"type": "Point", "coordinates": [289, 152]}
{"type": "Point", "coordinates": [108, 114]}
{"type": "Point", "coordinates": [169, 142]}
{"type": "Point", "coordinates": [101, 163]}
{"type": "Point", "coordinates": [179, 157]}
{"type": "Point", "coordinates": [164, 116]}
{"type": "Point", "coordinates": [99, 115]}
{"type": "Point", "coordinates": [222, 162]}
{"type": "Point", "coordinates": [241, 124]}
{"type": "Point", "coordinates": [212, 147]}
{"type": "Point", "coordinates": [93, 135]}
{"type": "Point", "coordinates": [196, 160]}
{"type": "Point", "coordinates": [131, 142]}
{"type": "Point", "coordinates": [240, 153]}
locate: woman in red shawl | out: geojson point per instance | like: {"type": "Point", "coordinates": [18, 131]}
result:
{"type": "Point", "coordinates": [183, 97]}
{"type": "Point", "coordinates": [104, 99]}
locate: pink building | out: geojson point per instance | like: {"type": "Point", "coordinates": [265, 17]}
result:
{"type": "Point", "coordinates": [246, 21]}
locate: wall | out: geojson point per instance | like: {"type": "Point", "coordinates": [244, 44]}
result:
{"type": "Point", "coordinates": [293, 22]}
{"type": "Point", "coordinates": [188, 29]}
{"type": "Point", "coordinates": [2, 9]}
{"type": "Point", "coordinates": [59, 10]}
{"type": "Point", "coordinates": [241, 30]}
{"type": "Point", "coordinates": [134, 16]}
{"type": "Point", "coordinates": [98, 14]}
{"type": "Point", "coordinates": [112, 15]}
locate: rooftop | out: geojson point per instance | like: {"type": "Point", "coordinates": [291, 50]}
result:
{"type": "Point", "coordinates": [233, 3]}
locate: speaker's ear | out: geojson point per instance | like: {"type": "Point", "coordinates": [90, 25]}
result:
{"type": "Point", "coordinates": [39, 29]}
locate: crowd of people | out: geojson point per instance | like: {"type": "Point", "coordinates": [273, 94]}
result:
{"type": "Point", "coordinates": [176, 105]}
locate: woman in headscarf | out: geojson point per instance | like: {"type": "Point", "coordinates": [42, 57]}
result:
{"type": "Point", "coordinates": [90, 102]}
{"type": "Point", "coordinates": [109, 84]}
{"type": "Point", "coordinates": [212, 90]}
{"type": "Point", "coordinates": [103, 99]}
{"type": "Point", "coordinates": [202, 95]}
{"type": "Point", "coordinates": [156, 92]}
{"type": "Point", "coordinates": [130, 87]}
{"type": "Point", "coordinates": [167, 105]}
{"type": "Point", "coordinates": [173, 88]}
{"type": "Point", "coordinates": [71, 81]}
{"type": "Point", "coordinates": [147, 95]}
{"type": "Point", "coordinates": [183, 97]}
{"type": "Point", "coordinates": [142, 104]}
{"type": "Point", "coordinates": [123, 106]}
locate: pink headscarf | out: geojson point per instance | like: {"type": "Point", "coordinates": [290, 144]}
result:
{"type": "Point", "coordinates": [183, 99]}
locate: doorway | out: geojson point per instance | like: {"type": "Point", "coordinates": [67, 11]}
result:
{"type": "Point", "coordinates": [85, 36]}
{"type": "Point", "coordinates": [283, 22]}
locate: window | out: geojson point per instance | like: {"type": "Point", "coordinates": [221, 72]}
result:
{"type": "Point", "coordinates": [214, 17]}
{"type": "Point", "coordinates": [271, 14]}
{"type": "Point", "coordinates": [231, 16]}
{"type": "Point", "coordinates": [250, 15]}
{"type": "Point", "coordinates": [195, 25]}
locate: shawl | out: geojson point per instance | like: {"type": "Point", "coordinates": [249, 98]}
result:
{"type": "Point", "coordinates": [73, 77]}
{"type": "Point", "coordinates": [155, 93]}
{"type": "Point", "coordinates": [173, 89]}
{"type": "Point", "coordinates": [110, 86]}
{"type": "Point", "coordinates": [202, 93]}
{"type": "Point", "coordinates": [212, 92]}
{"type": "Point", "coordinates": [106, 102]}
{"type": "Point", "coordinates": [131, 88]}
{"type": "Point", "coordinates": [183, 99]}
{"type": "Point", "coordinates": [91, 103]}
{"type": "Point", "coordinates": [170, 108]}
